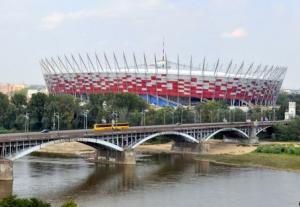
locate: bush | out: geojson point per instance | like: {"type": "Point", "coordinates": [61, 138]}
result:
{"type": "Point", "coordinates": [69, 204]}
{"type": "Point", "coordinates": [13, 201]}
{"type": "Point", "coordinates": [278, 149]}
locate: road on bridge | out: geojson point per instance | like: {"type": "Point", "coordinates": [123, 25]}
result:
{"type": "Point", "coordinates": [135, 129]}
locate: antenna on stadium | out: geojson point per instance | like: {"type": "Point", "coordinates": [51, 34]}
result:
{"type": "Point", "coordinates": [163, 50]}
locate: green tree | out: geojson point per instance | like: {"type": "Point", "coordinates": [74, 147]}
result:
{"type": "Point", "coordinates": [36, 108]}
{"type": "Point", "coordinates": [210, 111]}
{"type": "Point", "coordinates": [65, 106]}
{"type": "Point", "coordinates": [4, 104]}
{"type": "Point", "coordinates": [19, 100]}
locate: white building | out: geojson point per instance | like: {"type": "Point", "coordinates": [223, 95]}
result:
{"type": "Point", "coordinates": [291, 113]}
{"type": "Point", "coordinates": [32, 91]}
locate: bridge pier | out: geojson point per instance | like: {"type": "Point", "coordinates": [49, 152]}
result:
{"type": "Point", "coordinates": [6, 188]}
{"type": "Point", "coordinates": [6, 170]}
{"type": "Point", "coordinates": [188, 147]}
{"type": "Point", "coordinates": [126, 157]}
{"type": "Point", "coordinates": [203, 147]}
{"type": "Point", "coordinates": [253, 139]}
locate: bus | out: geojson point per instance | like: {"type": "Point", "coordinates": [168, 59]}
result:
{"type": "Point", "coordinates": [106, 127]}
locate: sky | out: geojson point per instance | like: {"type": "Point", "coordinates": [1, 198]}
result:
{"type": "Point", "coordinates": [260, 31]}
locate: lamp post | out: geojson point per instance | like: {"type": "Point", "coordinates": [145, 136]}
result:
{"type": "Point", "coordinates": [181, 114]}
{"type": "Point", "coordinates": [164, 116]}
{"type": "Point", "coordinates": [85, 120]}
{"type": "Point", "coordinates": [114, 117]}
{"type": "Point", "coordinates": [200, 116]}
{"type": "Point", "coordinates": [172, 117]}
{"type": "Point", "coordinates": [143, 121]}
{"type": "Point", "coordinates": [26, 122]}
{"type": "Point", "coordinates": [56, 115]}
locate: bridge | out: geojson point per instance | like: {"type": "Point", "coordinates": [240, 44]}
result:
{"type": "Point", "coordinates": [118, 146]}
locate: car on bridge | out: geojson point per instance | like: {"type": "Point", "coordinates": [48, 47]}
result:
{"type": "Point", "coordinates": [45, 131]}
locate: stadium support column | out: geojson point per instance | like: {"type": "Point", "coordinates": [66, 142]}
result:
{"type": "Point", "coordinates": [146, 78]}
{"type": "Point", "coordinates": [203, 67]}
{"type": "Point", "coordinates": [177, 80]}
{"type": "Point", "coordinates": [191, 65]}
{"type": "Point", "coordinates": [6, 170]}
{"type": "Point", "coordinates": [156, 74]}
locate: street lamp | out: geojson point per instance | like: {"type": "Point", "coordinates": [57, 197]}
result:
{"type": "Point", "coordinates": [143, 121]}
{"type": "Point", "coordinates": [164, 116]}
{"type": "Point", "coordinates": [114, 117]}
{"type": "Point", "coordinates": [26, 122]}
{"type": "Point", "coordinates": [85, 120]}
{"type": "Point", "coordinates": [181, 114]}
{"type": "Point", "coordinates": [200, 116]}
{"type": "Point", "coordinates": [56, 115]}
{"type": "Point", "coordinates": [172, 117]}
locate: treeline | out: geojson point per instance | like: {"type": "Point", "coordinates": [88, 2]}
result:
{"type": "Point", "coordinates": [42, 111]}
{"type": "Point", "coordinates": [39, 111]}
{"type": "Point", "coordinates": [288, 132]}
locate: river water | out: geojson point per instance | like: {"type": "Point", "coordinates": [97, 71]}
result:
{"type": "Point", "coordinates": [161, 180]}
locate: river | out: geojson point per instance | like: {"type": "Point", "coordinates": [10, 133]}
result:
{"type": "Point", "coordinates": [161, 180]}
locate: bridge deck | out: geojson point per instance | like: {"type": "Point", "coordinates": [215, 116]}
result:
{"type": "Point", "coordinates": [65, 134]}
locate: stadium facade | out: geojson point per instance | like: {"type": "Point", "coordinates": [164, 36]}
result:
{"type": "Point", "coordinates": [163, 82]}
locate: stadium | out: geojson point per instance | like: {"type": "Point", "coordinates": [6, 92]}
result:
{"type": "Point", "coordinates": [162, 82]}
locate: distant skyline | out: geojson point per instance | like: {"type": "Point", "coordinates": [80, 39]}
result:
{"type": "Point", "coordinates": [264, 32]}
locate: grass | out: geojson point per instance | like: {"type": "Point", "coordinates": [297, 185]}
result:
{"type": "Point", "coordinates": [279, 149]}
{"type": "Point", "coordinates": [275, 161]}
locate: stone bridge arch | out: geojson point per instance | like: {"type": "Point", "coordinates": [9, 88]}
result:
{"type": "Point", "coordinates": [167, 133]}
{"type": "Point", "coordinates": [88, 141]}
{"type": "Point", "coordinates": [244, 134]}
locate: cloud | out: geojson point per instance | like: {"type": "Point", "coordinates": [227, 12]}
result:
{"type": "Point", "coordinates": [55, 19]}
{"type": "Point", "coordinates": [236, 33]}
{"type": "Point", "coordinates": [112, 10]}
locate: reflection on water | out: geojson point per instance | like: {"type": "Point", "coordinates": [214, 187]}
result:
{"type": "Point", "coordinates": [160, 180]}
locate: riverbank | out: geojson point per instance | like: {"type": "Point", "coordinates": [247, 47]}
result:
{"type": "Point", "coordinates": [273, 161]}
{"type": "Point", "coordinates": [75, 149]}
{"type": "Point", "coordinates": [220, 152]}
{"type": "Point", "coordinates": [67, 149]}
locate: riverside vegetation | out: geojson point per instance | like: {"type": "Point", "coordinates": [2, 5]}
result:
{"type": "Point", "coordinates": [277, 156]}
{"type": "Point", "coordinates": [126, 107]}
{"type": "Point", "coordinates": [13, 201]}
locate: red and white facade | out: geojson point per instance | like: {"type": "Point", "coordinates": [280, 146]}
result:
{"type": "Point", "coordinates": [246, 84]}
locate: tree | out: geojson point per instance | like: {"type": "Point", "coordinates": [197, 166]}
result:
{"type": "Point", "coordinates": [4, 103]}
{"type": "Point", "coordinates": [19, 100]}
{"type": "Point", "coordinates": [210, 110]}
{"type": "Point", "coordinates": [36, 108]}
{"type": "Point", "coordinates": [65, 106]}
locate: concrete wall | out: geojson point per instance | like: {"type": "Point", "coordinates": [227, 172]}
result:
{"type": "Point", "coordinates": [6, 170]}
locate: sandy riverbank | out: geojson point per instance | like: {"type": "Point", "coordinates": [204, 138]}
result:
{"type": "Point", "coordinates": [67, 149]}
{"type": "Point", "coordinates": [78, 149]}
